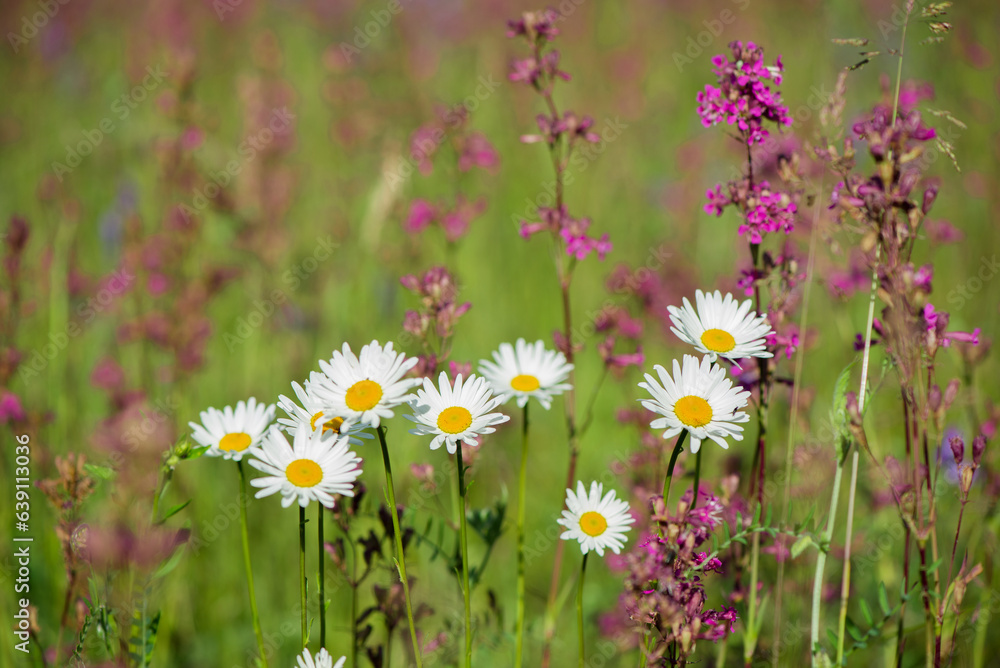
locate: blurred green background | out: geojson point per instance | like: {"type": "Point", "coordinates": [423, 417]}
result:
{"type": "Point", "coordinates": [227, 65]}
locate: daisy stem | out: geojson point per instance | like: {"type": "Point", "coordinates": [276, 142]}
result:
{"type": "Point", "coordinates": [322, 576]}
{"type": "Point", "coordinates": [579, 607]}
{"type": "Point", "coordinates": [697, 479]}
{"type": "Point", "coordinates": [354, 603]}
{"type": "Point", "coordinates": [670, 467]}
{"type": "Point", "coordinates": [302, 575]}
{"type": "Point", "coordinates": [463, 538]}
{"type": "Point", "coordinates": [400, 561]}
{"type": "Point", "coordinates": [521, 495]}
{"type": "Point", "coordinates": [254, 616]}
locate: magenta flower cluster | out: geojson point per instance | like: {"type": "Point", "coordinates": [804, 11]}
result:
{"type": "Point", "coordinates": [764, 210]}
{"type": "Point", "coordinates": [744, 97]}
{"type": "Point", "coordinates": [664, 582]}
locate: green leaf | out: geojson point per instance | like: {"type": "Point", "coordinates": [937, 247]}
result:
{"type": "Point", "coordinates": [102, 472]}
{"type": "Point", "coordinates": [866, 612]}
{"type": "Point", "coordinates": [883, 599]}
{"type": "Point", "coordinates": [840, 396]}
{"type": "Point", "coordinates": [799, 546]}
{"type": "Point", "coordinates": [170, 564]}
{"type": "Point", "coordinates": [173, 511]}
{"type": "Point", "coordinates": [195, 453]}
{"type": "Point", "coordinates": [853, 629]}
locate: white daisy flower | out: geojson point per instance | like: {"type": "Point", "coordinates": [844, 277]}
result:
{"type": "Point", "coordinates": [527, 370]}
{"type": "Point", "coordinates": [699, 398]}
{"type": "Point", "coordinates": [313, 467]}
{"type": "Point", "coordinates": [321, 660]}
{"type": "Point", "coordinates": [721, 326]}
{"type": "Point", "coordinates": [311, 411]}
{"type": "Point", "coordinates": [365, 388]}
{"type": "Point", "coordinates": [597, 522]}
{"type": "Point", "coordinates": [454, 414]}
{"type": "Point", "coordinates": [230, 433]}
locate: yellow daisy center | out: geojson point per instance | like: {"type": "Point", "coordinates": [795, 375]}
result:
{"type": "Point", "coordinates": [364, 395]}
{"type": "Point", "coordinates": [304, 473]}
{"type": "Point", "coordinates": [332, 424]}
{"type": "Point", "coordinates": [718, 340]}
{"type": "Point", "coordinates": [235, 442]}
{"type": "Point", "coordinates": [454, 420]}
{"type": "Point", "coordinates": [593, 523]}
{"type": "Point", "coordinates": [524, 383]}
{"type": "Point", "coordinates": [693, 411]}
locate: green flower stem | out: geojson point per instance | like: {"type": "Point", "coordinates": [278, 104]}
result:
{"type": "Point", "coordinates": [579, 607]}
{"type": "Point", "coordinates": [400, 561]}
{"type": "Point", "coordinates": [302, 575]}
{"type": "Point", "coordinates": [254, 616]}
{"type": "Point", "coordinates": [521, 496]}
{"type": "Point", "coordinates": [354, 603]}
{"type": "Point", "coordinates": [464, 539]}
{"type": "Point", "coordinates": [322, 576]}
{"type": "Point", "coordinates": [670, 467]}
{"type": "Point", "coordinates": [697, 478]}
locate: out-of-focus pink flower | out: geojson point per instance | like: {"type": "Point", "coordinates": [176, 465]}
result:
{"type": "Point", "coordinates": [424, 143]}
{"type": "Point", "coordinates": [192, 138]}
{"type": "Point", "coordinates": [422, 213]}
{"type": "Point", "coordinates": [477, 151]}
{"type": "Point", "coordinates": [942, 232]}
{"type": "Point", "coordinates": [107, 375]}
{"type": "Point", "coordinates": [535, 25]}
{"type": "Point", "coordinates": [456, 222]}
{"type": "Point", "coordinates": [424, 473]}
{"type": "Point", "coordinates": [456, 368]}
{"type": "Point", "coordinates": [622, 360]}
{"type": "Point", "coordinates": [10, 407]}
{"type": "Point", "coordinates": [157, 284]}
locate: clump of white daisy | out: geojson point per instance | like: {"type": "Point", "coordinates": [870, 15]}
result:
{"type": "Point", "coordinates": [527, 370]}
{"type": "Point", "coordinates": [321, 660]}
{"type": "Point", "coordinates": [721, 326]}
{"type": "Point", "coordinates": [598, 521]}
{"type": "Point", "coordinates": [366, 388]}
{"type": "Point", "coordinates": [454, 414]}
{"type": "Point", "coordinates": [313, 467]}
{"type": "Point", "coordinates": [699, 398]}
{"type": "Point", "coordinates": [310, 410]}
{"type": "Point", "coordinates": [230, 433]}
